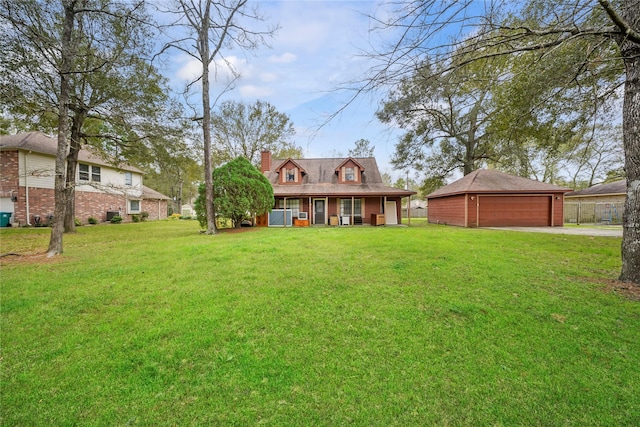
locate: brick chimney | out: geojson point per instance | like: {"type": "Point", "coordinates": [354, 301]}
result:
{"type": "Point", "coordinates": [265, 161]}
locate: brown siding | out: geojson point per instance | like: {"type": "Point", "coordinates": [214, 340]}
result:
{"type": "Point", "coordinates": [472, 210]}
{"type": "Point", "coordinates": [333, 207]}
{"type": "Point", "coordinates": [447, 210]}
{"type": "Point", "coordinates": [558, 210]}
{"type": "Point", "coordinates": [371, 206]}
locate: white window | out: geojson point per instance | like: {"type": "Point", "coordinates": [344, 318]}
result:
{"type": "Point", "coordinates": [88, 173]}
{"type": "Point", "coordinates": [293, 204]}
{"type": "Point", "coordinates": [349, 174]}
{"type": "Point", "coordinates": [128, 178]}
{"type": "Point", "coordinates": [291, 175]}
{"type": "Point", "coordinates": [345, 207]}
{"type": "Point", "coordinates": [95, 173]}
{"type": "Point", "coordinates": [83, 171]}
{"type": "Point", "coordinates": [134, 206]}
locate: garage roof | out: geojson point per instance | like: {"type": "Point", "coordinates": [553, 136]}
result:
{"type": "Point", "coordinates": [493, 181]}
{"type": "Point", "coordinates": [616, 187]}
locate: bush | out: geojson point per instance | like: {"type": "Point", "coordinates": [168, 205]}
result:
{"type": "Point", "coordinates": [77, 222]}
{"type": "Point", "coordinates": [135, 218]}
{"type": "Point", "coordinates": [144, 216]}
{"type": "Point", "coordinates": [92, 220]}
{"type": "Point", "coordinates": [116, 220]}
{"type": "Point", "coordinates": [175, 216]}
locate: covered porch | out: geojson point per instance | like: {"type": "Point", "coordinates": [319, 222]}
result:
{"type": "Point", "coordinates": [304, 211]}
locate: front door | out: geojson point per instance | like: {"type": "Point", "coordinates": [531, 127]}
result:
{"type": "Point", "coordinates": [318, 209]}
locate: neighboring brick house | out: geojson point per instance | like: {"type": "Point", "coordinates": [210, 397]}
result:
{"type": "Point", "coordinates": [342, 191]}
{"type": "Point", "coordinates": [27, 166]}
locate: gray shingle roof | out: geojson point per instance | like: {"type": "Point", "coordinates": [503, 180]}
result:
{"type": "Point", "coordinates": [320, 179]}
{"type": "Point", "coordinates": [616, 187]}
{"type": "Point", "coordinates": [493, 181]}
{"type": "Point", "coordinates": [38, 142]}
{"type": "Point", "coordinates": [149, 193]}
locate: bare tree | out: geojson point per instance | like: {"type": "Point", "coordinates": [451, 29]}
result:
{"type": "Point", "coordinates": [212, 27]}
{"type": "Point", "coordinates": [463, 32]}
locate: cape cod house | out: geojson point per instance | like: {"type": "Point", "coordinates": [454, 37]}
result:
{"type": "Point", "coordinates": [103, 190]}
{"type": "Point", "coordinates": [338, 191]}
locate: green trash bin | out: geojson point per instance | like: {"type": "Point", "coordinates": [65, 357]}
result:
{"type": "Point", "coordinates": [5, 217]}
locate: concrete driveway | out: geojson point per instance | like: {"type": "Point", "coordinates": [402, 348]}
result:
{"type": "Point", "coordinates": [603, 231]}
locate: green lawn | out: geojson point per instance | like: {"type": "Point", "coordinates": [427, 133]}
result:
{"type": "Point", "coordinates": [155, 324]}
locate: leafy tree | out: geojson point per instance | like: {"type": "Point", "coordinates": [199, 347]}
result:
{"type": "Point", "coordinates": [241, 192]}
{"type": "Point", "coordinates": [113, 96]}
{"type": "Point", "coordinates": [547, 114]}
{"type": "Point", "coordinates": [247, 130]}
{"type": "Point", "coordinates": [609, 31]}
{"type": "Point", "coordinates": [175, 172]}
{"type": "Point", "coordinates": [211, 27]}
{"type": "Point", "coordinates": [362, 148]}
{"type": "Point", "coordinates": [445, 116]}
{"type": "Point", "coordinates": [77, 66]}
{"type": "Point", "coordinates": [387, 179]}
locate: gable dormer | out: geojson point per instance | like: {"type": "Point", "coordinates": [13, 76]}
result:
{"type": "Point", "coordinates": [350, 172]}
{"type": "Point", "coordinates": [290, 172]}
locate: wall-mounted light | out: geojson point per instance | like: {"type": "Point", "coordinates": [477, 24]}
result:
{"type": "Point", "coordinates": [473, 198]}
{"type": "Point", "coordinates": [557, 197]}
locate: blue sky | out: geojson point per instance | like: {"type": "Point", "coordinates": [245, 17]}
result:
{"type": "Point", "coordinates": [317, 48]}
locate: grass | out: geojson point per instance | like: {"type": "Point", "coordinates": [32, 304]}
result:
{"type": "Point", "coordinates": [155, 324]}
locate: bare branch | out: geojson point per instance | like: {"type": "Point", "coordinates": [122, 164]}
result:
{"type": "Point", "coordinates": [629, 32]}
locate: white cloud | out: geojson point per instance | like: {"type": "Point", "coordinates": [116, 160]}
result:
{"type": "Point", "coordinates": [190, 69]}
{"type": "Point", "coordinates": [220, 70]}
{"type": "Point", "coordinates": [314, 50]}
{"type": "Point", "coordinates": [252, 91]}
{"type": "Point", "coordinates": [285, 58]}
{"type": "Point", "coordinates": [268, 77]}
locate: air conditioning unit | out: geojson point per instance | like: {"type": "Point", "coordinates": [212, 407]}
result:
{"type": "Point", "coordinates": [302, 215]}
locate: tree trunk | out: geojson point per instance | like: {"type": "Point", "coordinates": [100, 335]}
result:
{"type": "Point", "coordinates": [631, 131]}
{"type": "Point", "coordinates": [60, 195]}
{"type": "Point", "coordinates": [72, 165]}
{"type": "Point", "coordinates": [203, 41]}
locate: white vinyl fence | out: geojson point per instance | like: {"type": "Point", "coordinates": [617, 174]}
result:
{"type": "Point", "coordinates": [593, 213]}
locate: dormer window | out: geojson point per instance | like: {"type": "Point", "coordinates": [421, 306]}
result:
{"type": "Point", "coordinates": [291, 175]}
{"type": "Point", "coordinates": [290, 172]}
{"type": "Point", "coordinates": [349, 174]}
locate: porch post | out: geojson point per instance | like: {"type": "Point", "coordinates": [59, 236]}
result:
{"type": "Point", "coordinates": [353, 215]}
{"type": "Point", "coordinates": [285, 213]}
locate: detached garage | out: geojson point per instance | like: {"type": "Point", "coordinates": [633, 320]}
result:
{"type": "Point", "coordinates": [488, 198]}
